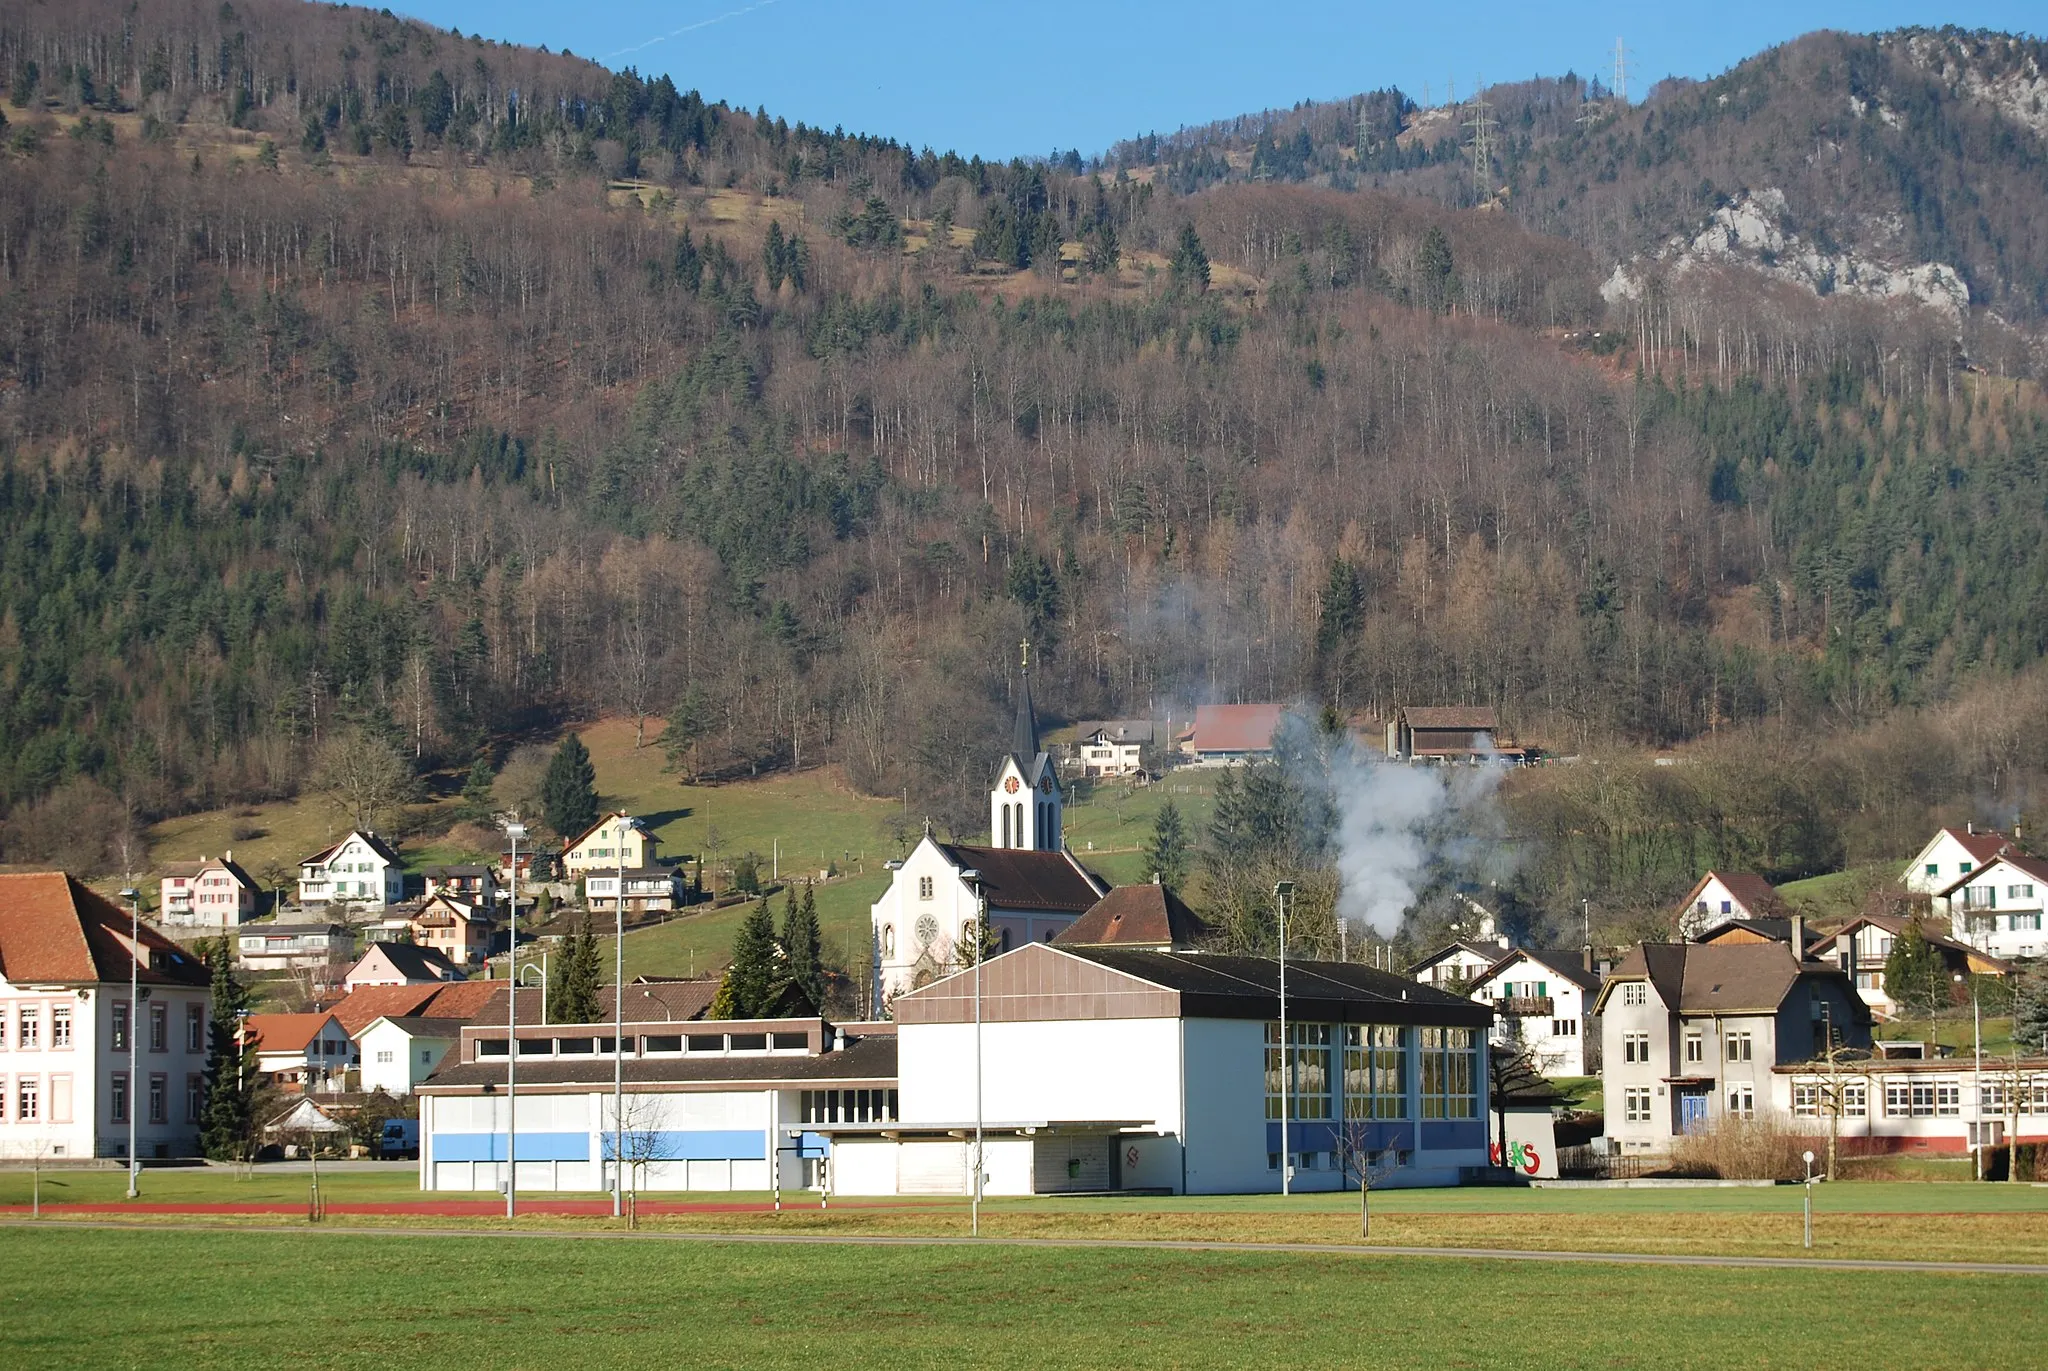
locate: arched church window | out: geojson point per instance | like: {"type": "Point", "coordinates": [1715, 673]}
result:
{"type": "Point", "coordinates": [888, 940]}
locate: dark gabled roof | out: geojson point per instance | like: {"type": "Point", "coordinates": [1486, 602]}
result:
{"type": "Point", "coordinates": [1144, 915]}
{"type": "Point", "coordinates": [1020, 878]}
{"type": "Point", "coordinates": [863, 1059]}
{"type": "Point", "coordinates": [375, 844]}
{"type": "Point", "coordinates": [1718, 978]}
{"type": "Point", "coordinates": [1116, 730]}
{"type": "Point", "coordinates": [604, 819]}
{"type": "Point", "coordinates": [414, 962]}
{"type": "Point", "coordinates": [421, 1025]}
{"type": "Point", "coordinates": [1565, 962]}
{"type": "Point", "coordinates": [2009, 856]}
{"type": "Point", "coordinates": [1225, 987]}
{"type": "Point", "coordinates": [56, 929]}
{"type": "Point", "coordinates": [1750, 890]}
{"type": "Point", "coordinates": [1467, 718]}
{"type": "Point", "coordinates": [1981, 844]}
{"type": "Point", "coordinates": [1488, 952]}
{"type": "Point", "coordinates": [459, 869]}
{"type": "Point", "coordinates": [274, 930]}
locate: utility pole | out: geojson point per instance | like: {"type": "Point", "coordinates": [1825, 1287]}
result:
{"type": "Point", "coordinates": [515, 831]}
{"type": "Point", "coordinates": [619, 1030]}
{"type": "Point", "coordinates": [973, 880]}
{"type": "Point", "coordinates": [134, 1025]}
{"type": "Point", "coordinates": [1282, 890]}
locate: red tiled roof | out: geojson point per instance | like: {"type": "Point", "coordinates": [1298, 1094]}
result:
{"type": "Point", "coordinates": [283, 1032]}
{"type": "Point", "coordinates": [450, 1000]}
{"type": "Point", "coordinates": [2010, 856]}
{"type": "Point", "coordinates": [1235, 728]}
{"type": "Point", "coordinates": [1020, 878]}
{"type": "Point", "coordinates": [1136, 915]}
{"type": "Point", "coordinates": [1750, 890]}
{"type": "Point", "coordinates": [55, 929]}
{"type": "Point", "coordinates": [1983, 844]}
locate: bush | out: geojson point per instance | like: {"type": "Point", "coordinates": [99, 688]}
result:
{"type": "Point", "coordinates": [1765, 1148]}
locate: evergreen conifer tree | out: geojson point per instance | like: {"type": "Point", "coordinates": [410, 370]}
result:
{"type": "Point", "coordinates": [2030, 1009]}
{"type": "Point", "coordinates": [478, 799]}
{"type": "Point", "coordinates": [227, 1127]}
{"type": "Point", "coordinates": [800, 946]}
{"type": "Point", "coordinates": [772, 255]}
{"type": "Point", "coordinates": [568, 792]}
{"type": "Point", "coordinates": [1190, 263]}
{"type": "Point", "coordinates": [756, 971]}
{"type": "Point", "coordinates": [724, 1005]}
{"type": "Point", "coordinates": [1168, 853]}
{"type": "Point", "coordinates": [576, 978]}
{"type": "Point", "coordinates": [1913, 974]}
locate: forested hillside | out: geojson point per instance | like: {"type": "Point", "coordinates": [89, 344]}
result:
{"type": "Point", "coordinates": [354, 375]}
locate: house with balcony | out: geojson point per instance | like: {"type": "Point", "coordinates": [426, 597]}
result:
{"type": "Point", "coordinates": [209, 893]}
{"type": "Point", "coordinates": [648, 891]}
{"type": "Point", "coordinates": [1863, 945]}
{"type": "Point", "coordinates": [1542, 1002]}
{"type": "Point", "coordinates": [305, 1052]}
{"type": "Point", "coordinates": [293, 947]}
{"type": "Point", "coordinates": [1691, 1033]}
{"type": "Point", "coordinates": [460, 932]}
{"type": "Point", "coordinates": [1112, 747]}
{"type": "Point", "coordinates": [472, 883]}
{"type": "Point", "coordinates": [361, 869]}
{"type": "Point", "coordinates": [1998, 908]}
{"type": "Point", "coordinates": [1460, 963]}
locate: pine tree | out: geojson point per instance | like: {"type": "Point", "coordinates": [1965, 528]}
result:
{"type": "Point", "coordinates": [478, 800]}
{"type": "Point", "coordinates": [1913, 974]}
{"type": "Point", "coordinates": [576, 978]}
{"type": "Point", "coordinates": [227, 1128]}
{"type": "Point", "coordinates": [1168, 853]}
{"type": "Point", "coordinates": [2030, 1009]}
{"type": "Point", "coordinates": [568, 792]}
{"type": "Point", "coordinates": [1190, 264]}
{"type": "Point", "coordinates": [756, 971]}
{"type": "Point", "coordinates": [772, 255]}
{"type": "Point", "coordinates": [1435, 268]}
{"type": "Point", "coordinates": [724, 1005]}
{"type": "Point", "coordinates": [800, 946]}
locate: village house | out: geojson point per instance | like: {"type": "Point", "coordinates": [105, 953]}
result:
{"type": "Point", "coordinates": [1998, 908]}
{"type": "Point", "coordinates": [1150, 917]}
{"type": "Point", "coordinates": [1226, 734]}
{"type": "Point", "coordinates": [1456, 733]}
{"type": "Point", "coordinates": [208, 893]}
{"type": "Point", "coordinates": [1031, 886]}
{"type": "Point", "coordinates": [1917, 1105]}
{"type": "Point", "coordinates": [361, 869]}
{"type": "Point", "coordinates": [648, 891]}
{"type": "Point", "coordinates": [1690, 1033]}
{"type": "Point", "coordinates": [1952, 854]}
{"type": "Point", "coordinates": [307, 1052]}
{"type": "Point", "coordinates": [401, 964]}
{"type": "Point", "coordinates": [291, 947]}
{"type": "Point", "coordinates": [1458, 965]}
{"type": "Point", "coordinates": [66, 1085]}
{"type": "Point", "coordinates": [396, 1054]}
{"type": "Point", "coordinates": [1862, 946]}
{"type": "Point", "coordinates": [1718, 898]}
{"type": "Point", "coordinates": [471, 883]}
{"type": "Point", "coordinates": [1112, 747]}
{"type": "Point", "coordinates": [461, 932]}
{"type": "Point", "coordinates": [1542, 1001]}
{"type": "Point", "coordinates": [615, 840]}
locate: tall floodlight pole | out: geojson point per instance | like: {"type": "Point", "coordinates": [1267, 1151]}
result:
{"type": "Point", "coordinates": [1282, 890]}
{"type": "Point", "coordinates": [515, 831]}
{"type": "Point", "coordinates": [618, 1032]}
{"type": "Point", "coordinates": [134, 898]}
{"type": "Point", "coordinates": [973, 880]}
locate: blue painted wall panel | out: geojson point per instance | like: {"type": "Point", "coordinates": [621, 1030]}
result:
{"type": "Point", "coordinates": [696, 1145]}
{"type": "Point", "coordinates": [1464, 1133]}
{"type": "Point", "coordinates": [490, 1147]}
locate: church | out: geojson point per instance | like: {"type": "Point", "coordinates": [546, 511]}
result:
{"type": "Point", "coordinates": [924, 922]}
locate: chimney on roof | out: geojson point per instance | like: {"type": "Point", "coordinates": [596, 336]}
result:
{"type": "Point", "coordinates": [1971, 828]}
{"type": "Point", "coordinates": [1586, 958]}
{"type": "Point", "coordinates": [1798, 937]}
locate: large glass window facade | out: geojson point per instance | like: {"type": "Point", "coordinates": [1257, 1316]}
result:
{"type": "Point", "coordinates": [1310, 1044]}
{"type": "Point", "coordinates": [1450, 1071]}
{"type": "Point", "coordinates": [1375, 1072]}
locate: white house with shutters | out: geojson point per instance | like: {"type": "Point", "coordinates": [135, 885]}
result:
{"type": "Point", "coordinates": [1952, 854]}
{"type": "Point", "coordinates": [1999, 908]}
{"type": "Point", "coordinates": [1543, 1001]}
{"type": "Point", "coordinates": [361, 869]}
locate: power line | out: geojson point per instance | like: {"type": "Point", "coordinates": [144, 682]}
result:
{"type": "Point", "coordinates": [1482, 125]}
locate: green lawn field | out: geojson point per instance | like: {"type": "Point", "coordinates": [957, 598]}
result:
{"type": "Point", "coordinates": [390, 1301]}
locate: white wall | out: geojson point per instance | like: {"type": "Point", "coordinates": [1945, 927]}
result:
{"type": "Point", "coordinates": [405, 1069]}
{"type": "Point", "coordinates": [896, 914]}
{"type": "Point", "coordinates": [1065, 1069]}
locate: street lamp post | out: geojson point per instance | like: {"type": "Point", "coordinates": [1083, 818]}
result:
{"type": "Point", "coordinates": [618, 1031]}
{"type": "Point", "coordinates": [973, 882]}
{"type": "Point", "coordinates": [134, 898]}
{"type": "Point", "coordinates": [1282, 892]}
{"type": "Point", "coordinates": [515, 831]}
{"type": "Point", "coordinates": [1808, 1155]}
{"type": "Point", "coordinates": [1977, 1106]}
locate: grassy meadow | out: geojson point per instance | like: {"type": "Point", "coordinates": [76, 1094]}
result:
{"type": "Point", "coordinates": [403, 1301]}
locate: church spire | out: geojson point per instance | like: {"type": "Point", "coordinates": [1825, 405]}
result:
{"type": "Point", "coordinates": [1024, 738]}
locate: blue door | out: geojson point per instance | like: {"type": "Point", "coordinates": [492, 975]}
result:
{"type": "Point", "coordinates": [1692, 1111]}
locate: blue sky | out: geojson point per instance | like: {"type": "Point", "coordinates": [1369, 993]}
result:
{"type": "Point", "coordinates": [1027, 79]}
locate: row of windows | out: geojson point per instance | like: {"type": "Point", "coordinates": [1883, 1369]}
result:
{"type": "Point", "coordinates": [652, 1045]}
{"type": "Point", "coordinates": [48, 1099]}
{"type": "Point", "coordinates": [1636, 1105]}
{"type": "Point", "coordinates": [1736, 1046]}
{"type": "Point", "coordinates": [1986, 896]}
{"type": "Point", "coordinates": [24, 1028]}
{"type": "Point", "coordinates": [1377, 1064]}
{"type": "Point", "coordinates": [849, 1106]}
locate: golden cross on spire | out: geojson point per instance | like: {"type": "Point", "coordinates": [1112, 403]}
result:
{"type": "Point", "coordinates": [1026, 645]}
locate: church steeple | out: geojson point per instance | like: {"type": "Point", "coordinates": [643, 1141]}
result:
{"type": "Point", "coordinates": [1024, 737]}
